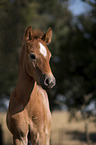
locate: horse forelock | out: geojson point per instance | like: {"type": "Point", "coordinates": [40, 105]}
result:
{"type": "Point", "coordinates": [37, 34]}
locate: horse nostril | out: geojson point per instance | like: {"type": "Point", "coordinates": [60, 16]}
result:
{"type": "Point", "coordinates": [50, 82]}
{"type": "Point", "coordinates": [47, 81]}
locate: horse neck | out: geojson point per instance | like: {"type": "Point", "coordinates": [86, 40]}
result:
{"type": "Point", "coordinates": [25, 82]}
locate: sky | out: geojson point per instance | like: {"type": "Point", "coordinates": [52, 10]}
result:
{"type": "Point", "coordinates": [78, 7]}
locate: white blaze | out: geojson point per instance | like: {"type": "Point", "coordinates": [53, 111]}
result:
{"type": "Point", "coordinates": [43, 50]}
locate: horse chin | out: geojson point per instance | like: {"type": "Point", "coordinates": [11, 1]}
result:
{"type": "Point", "coordinates": [43, 86]}
{"type": "Point", "coordinates": [46, 87]}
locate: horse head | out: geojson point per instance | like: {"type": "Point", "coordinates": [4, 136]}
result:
{"type": "Point", "coordinates": [37, 57]}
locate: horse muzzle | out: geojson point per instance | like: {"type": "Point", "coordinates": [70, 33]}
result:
{"type": "Point", "coordinates": [47, 81]}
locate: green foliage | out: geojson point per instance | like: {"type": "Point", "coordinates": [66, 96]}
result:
{"type": "Point", "coordinates": [12, 23]}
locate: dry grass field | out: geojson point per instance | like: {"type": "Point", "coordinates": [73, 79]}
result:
{"type": "Point", "coordinates": [70, 133]}
{"type": "Point", "coordinates": [62, 133]}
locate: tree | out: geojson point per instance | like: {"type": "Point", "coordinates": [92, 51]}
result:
{"type": "Point", "coordinates": [75, 65]}
{"type": "Point", "coordinates": [12, 24]}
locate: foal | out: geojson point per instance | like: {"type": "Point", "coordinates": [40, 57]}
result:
{"type": "Point", "coordinates": [28, 116]}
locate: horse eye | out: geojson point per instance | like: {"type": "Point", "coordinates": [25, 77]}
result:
{"type": "Point", "coordinates": [32, 56]}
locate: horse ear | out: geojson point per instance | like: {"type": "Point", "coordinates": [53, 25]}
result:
{"type": "Point", "coordinates": [47, 36]}
{"type": "Point", "coordinates": [28, 33]}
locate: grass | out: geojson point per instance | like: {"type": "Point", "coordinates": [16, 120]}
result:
{"type": "Point", "coordinates": [70, 133]}
{"type": "Point", "coordinates": [7, 137]}
{"type": "Point", "coordinates": [62, 133]}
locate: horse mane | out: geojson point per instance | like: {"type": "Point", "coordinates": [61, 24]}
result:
{"type": "Point", "coordinates": [37, 34]}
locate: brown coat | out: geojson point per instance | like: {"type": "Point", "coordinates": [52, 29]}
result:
{"type": "Point", "coordinates": [28, 116]}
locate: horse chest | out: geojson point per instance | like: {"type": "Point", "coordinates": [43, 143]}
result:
{"type": "Point", "coordinates": [39, 112]}
{"type": "Point", "coordinates": [38, 101]}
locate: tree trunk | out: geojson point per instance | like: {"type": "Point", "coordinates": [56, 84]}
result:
{"type": "Point", "coordinates": [87, 132]}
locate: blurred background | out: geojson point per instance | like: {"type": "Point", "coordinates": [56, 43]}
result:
{"type": "Point", "coordinates": [73, 62]}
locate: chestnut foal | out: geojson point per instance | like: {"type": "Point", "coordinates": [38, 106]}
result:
{"type": "Point", "coordinates": [28, 116]}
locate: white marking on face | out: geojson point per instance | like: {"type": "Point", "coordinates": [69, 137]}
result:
{"type": "Point", "coordinates": [43, 50]}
